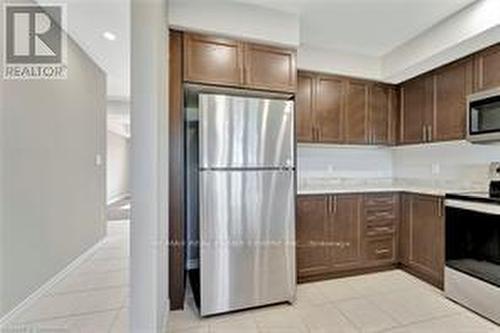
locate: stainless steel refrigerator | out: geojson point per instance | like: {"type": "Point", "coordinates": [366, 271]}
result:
{"type": "Point", "coordinates": [246, 202]}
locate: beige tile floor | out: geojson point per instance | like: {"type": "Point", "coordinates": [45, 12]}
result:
{"type": "Point", "coordinates": [392, 301]}
{"type": "Point", "coordinates": [93, 299]}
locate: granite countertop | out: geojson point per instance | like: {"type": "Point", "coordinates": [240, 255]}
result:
{"type": "Point", "coordinates": [334, 186]}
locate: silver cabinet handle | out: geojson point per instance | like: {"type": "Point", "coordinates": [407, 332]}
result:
{"type": "Point", "coordinates": [429, 133]}
{"type": "Point", "coordinates": [424, 133]}
{"type": "Point", "coordinates": [381, 251]}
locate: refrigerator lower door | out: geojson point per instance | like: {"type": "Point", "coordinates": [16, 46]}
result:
{"type": "Point", "coordinates": [247, 235]}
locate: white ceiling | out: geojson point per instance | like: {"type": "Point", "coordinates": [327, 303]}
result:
{"type": "Point", "coordinates": [87, 20]}
{"type": "Point", "coordinates": [367, 27]}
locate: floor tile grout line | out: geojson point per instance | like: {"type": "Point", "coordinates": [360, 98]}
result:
{"type": "Point", "coordinates": [68, 316]}
{"type": "Point", "coordinates": [82, 291]}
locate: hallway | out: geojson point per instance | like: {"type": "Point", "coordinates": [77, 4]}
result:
{"type": "Point", "coordinates": [91, 298]}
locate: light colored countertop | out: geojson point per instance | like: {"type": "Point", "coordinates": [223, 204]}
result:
{"type": "Point", "coordinates": [336, 186]}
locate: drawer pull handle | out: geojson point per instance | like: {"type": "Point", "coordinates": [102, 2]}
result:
{"type": "Point", "coordinates": [381, 251]}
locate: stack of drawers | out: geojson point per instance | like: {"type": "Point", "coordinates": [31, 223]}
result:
{"type": "Point", "coordinates": [379, 228]}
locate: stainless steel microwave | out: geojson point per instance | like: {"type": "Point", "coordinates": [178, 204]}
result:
{"type": "Point", "coordinates": [483, 116]}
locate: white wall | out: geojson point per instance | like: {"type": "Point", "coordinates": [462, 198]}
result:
{"type": "Point", "coordinates": [53, 193]}
{"type": "Point", "coordinates": [236, 19]}
{"type": "Point", "coordinates": [344, 161]}
{"type": "Point", "coordinates": [149, 187]}
{"type": "Point", "coordinates": [117, 166]}
{"type": "Point", "coordinates": [457, 161]}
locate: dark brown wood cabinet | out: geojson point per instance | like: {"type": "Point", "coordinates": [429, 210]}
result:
{"type": "Point", "coordinates": [487, 68]}
{"type": "Point", "coordinates": [328, 110]}
{"type": "Point", "coordinates": [380, 228]}
{"type": "Point", "coordinates": [416, 109]}
{"type": "Point", "coordinates": [304, 108]}
{"type": "Point", "coordinates": [345, 230]}
{"type": "Point", "coordinates": [433, 105]}
{"type": "Point", "coordinates": [383, 115]}
{"type": "Point", "coordinates": [422, 237]}
{"type": "Point", "coordinates": [328, 234]}
{"type": "Point", "coordinates": [356, 112]}
{"type": "Point", "coordinates": [228, 62]}
{"type": "Point", "coordinates": [270, 68]}
{"type": "Point", "coordinates": [344, 234]}
{"type": "Point", "coordinates": [213, 60]}
{"type": "Point", "coordinates": [452, 84]}
{"type": "Point", "coordinates": [313, 227]}
{"type": "Point", "coordinates": [339, 110]}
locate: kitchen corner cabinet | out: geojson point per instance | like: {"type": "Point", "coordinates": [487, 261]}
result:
{"type": "Point", "coordinates": [339, 110]}
{"type": "Point", "coordinates": [421, 242]}
{"type": "Point", "coordinates": [433, 105]}
{"type": "Point", "coordinates": [228, 62]}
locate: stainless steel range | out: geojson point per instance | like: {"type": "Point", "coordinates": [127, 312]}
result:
{"type": "Point", "coordinates": [472, 272]}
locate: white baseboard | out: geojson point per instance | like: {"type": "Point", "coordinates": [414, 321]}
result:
{"type": "Point", "coordinates": [31, 299]}
{"type": "Point", "coordinates": [117, 198]}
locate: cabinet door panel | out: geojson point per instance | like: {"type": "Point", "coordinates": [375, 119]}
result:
{"type": "Point", "coordinates": [270, 68]}
{"type": "Point", "coordinates": [427, 238]}
{"type": "Point", "coordinates": [346, 230]}
{"type": "Point", "coordinates": [305, 108]}
{"type": "Point", "coordinates": [380, 107]}
{"type": "Point", "coordinates": [312, 234]}
{"type": "Point", "coordinates": [329, 106]}
{"type": "Point", "coordinates": [415, 98]}
{"type": "Point", "coordinates": [487, 69]}
{"type": "Point", "coordinates": [356, 113]}
{"type": "Point", "coordinates": [213, 60]}
{"type": "Point", "coordinates": [452, 84]}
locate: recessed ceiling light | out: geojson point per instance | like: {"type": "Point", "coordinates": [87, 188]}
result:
{"type": "Point", "coordinates": [109, 35]}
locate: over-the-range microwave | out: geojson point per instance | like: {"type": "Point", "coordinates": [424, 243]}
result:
{"type": "Point", "coordinates": [483, 116]}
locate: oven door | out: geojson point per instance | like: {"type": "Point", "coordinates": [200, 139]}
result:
{"type": "Point", "coordinates": [472, 273]}
{"type": "Point", "coordinates": [483, 116]}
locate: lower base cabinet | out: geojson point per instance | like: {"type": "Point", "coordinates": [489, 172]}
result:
{"type": "Point", "coordinates": [347, 234]}
{"type": "Point", "coordinates": [342, 234]}
{"type": "Point", "coordinates": [421, 241]}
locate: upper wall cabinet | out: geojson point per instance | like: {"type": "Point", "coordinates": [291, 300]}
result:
{"type": "Point", "coordinates": [487, 69]}
{"type": "Point", "coordinates": [340, 110]}
{"type": "Point", "coordinates": [328, 109]}
{"type": "Point", "coordinates": [384, 114]}
{"type": "Point", "coordinates": [416, 109]}
{"type": "Point", "coordinates": [433, 105]}
{"type": "Point", "coordinates": [452, 84]}
{"type": "Point", "coordinates": [270, 68]}
{"type": "Point", "coordinates": [226, 62]}
{"type": "Point", "coordinates": [356, 112]}
{"type": "Point", "coordinates": [213, 60]}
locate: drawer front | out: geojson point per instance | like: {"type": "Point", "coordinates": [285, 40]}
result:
{"type": "Point", "coordinates": [381, 249]}
{"type": "Point", "coordinates": [380, 213]}
{"type": "Point", "coordinates": [381, 199]}
{"type": "Point", "coordinates": [380, 230]}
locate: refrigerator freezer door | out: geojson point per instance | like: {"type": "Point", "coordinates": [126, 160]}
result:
{"type": "Point", "coordinates": [247, 234]}
{"type": "Point", "coordinates": [244, 132]}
